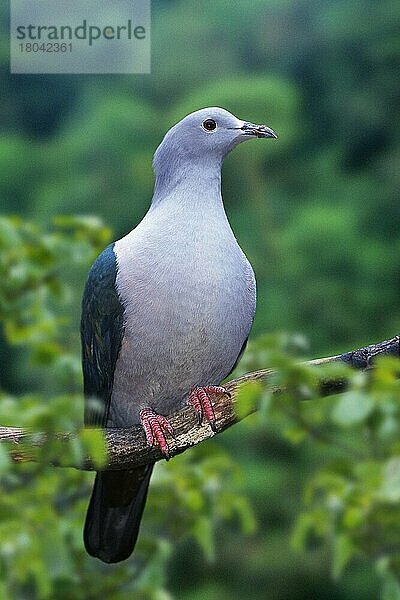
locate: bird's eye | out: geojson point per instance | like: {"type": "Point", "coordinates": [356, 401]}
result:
{"type": "Point", "coordinates": [209, 125]}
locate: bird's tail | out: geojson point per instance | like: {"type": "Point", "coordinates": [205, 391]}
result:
{"type": "Point", "coordinates": [114, 513]}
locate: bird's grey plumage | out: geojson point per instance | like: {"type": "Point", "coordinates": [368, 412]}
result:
{"type": "Point", "coordinates": [187, 296]}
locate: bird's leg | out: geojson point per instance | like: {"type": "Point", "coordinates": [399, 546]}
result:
{"type": "Point", "coordinates": [155, 426]}
{"type": "Point", "coordinates": [199, 399]}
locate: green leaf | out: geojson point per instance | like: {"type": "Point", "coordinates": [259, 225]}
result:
{"type": "Point", "coordinates": [4, 460]}
{"type": "Point", "coordinates": [352, 408]}
{"type": "Point", "coordinates": [247, 398]}
{"type": "Point", "coordinates": [295, 434]}
{"type": "Point", "coordinates": [343, 551]}
{"type": "Point", "coordinates": [390, 488]}
{"type": "Point", "coordinates": [204, 534]}
{"type": "Point", "coordinates": [94, 443]}
{"type": "Point", "coordinates": [246, 515]}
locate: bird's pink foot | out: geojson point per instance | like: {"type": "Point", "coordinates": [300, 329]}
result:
{"type": "Point", "coordinates": [201, 402]}
{"type": "Point", "coordinates": [155, 426]}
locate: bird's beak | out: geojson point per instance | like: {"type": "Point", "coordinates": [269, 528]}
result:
{"type": "Point", "coordinates": [260, 131]}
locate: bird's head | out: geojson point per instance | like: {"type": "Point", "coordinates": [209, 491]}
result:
{"type": "Point", "coordinates": [207, 134]}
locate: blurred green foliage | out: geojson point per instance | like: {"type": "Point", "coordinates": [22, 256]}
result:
{"type": "Point", "coordinates": [317, 213]}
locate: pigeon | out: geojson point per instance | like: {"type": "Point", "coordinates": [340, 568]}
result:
{"type": "Point", "coordinates": [166, 313]}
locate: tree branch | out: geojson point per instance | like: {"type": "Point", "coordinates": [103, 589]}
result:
{"type": "Point", "coordinates": [126, 448]}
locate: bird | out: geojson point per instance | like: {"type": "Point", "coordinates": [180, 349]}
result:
{"type": "Point", "coordinates": [166, 313]}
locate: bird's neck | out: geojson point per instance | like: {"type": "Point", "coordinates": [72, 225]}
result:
{"type": "Point", "coordinates": [192, 183]}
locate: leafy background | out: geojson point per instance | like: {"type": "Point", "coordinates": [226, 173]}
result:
{"type": "Point", "coordinates": [303, 500]}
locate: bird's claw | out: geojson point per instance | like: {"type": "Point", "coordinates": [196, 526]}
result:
{"type": "Point", "coordinates": [199, 399]}
{"type": "Point", "coordinates": [155, 426]}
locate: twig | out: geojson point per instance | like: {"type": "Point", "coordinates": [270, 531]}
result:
{"type": "Point", "coordinates": [126, 448]}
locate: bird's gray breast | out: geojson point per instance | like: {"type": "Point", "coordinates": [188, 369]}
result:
{"type": "Point", "coordinates": [189, 300]}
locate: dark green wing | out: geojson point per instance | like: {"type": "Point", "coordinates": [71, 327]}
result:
{"type": "Point", "coordinates": [101, 336]}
